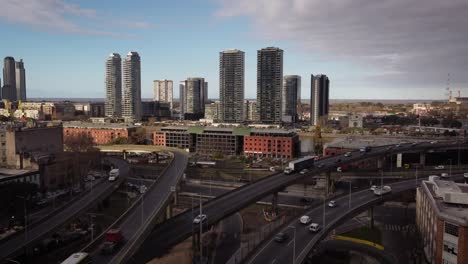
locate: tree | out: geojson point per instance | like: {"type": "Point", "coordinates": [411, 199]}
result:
{"type": "Point", "coordinates": [80, 142]}
{"type": "Point", "coordinates": [138, 136]}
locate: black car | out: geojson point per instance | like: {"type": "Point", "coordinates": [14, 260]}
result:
{"type": "Point", "coordinates": [281, 237]}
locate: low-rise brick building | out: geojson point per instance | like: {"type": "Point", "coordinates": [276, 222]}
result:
{"type": "Point", "coordinates": [209, 141]}
{"type": "Point", "coordinates": [100, 133]}
{"type": "Point", "coordinates": [442, 221]}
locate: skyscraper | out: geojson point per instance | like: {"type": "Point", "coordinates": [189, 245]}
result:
{"type": "Point", "coordinates": [20, 81]}
{"type": "Point", "coordinates": [193, 98]}
{"type": "Point", "coordinates": [269, 84]}
{"type": "Point", "coordinates": [113, 104]}
{"type": "Point", "coordinates": [231, 86]}
{"type": "Point", "coordinates": [9, 79]}
{"type": "Point", "coordinates": [319, 99]}
{"type": "Point", "coordinates": [163, 90]}
{"type": "Point", "coordinates": [182, 97]}
{"type": "Point", "coordinates": [291, 97]}
{"type": "Point", "coordinates": [131, 104]}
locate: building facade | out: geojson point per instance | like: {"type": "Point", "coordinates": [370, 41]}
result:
{"type": "Point", "coordinates": [269, 84]}
{"type": "Point", "coordinates": [291, 98]}
{"type": "Point", "coordinates": [101, 134]}
{"type": "Point", "coordinates": [131, 104]}
{"type": "Point", "coordinates": [231, 86]}
{"type": "Point", "coordinates": [193, 98]}
{"type": "Point", "coordinates": [441, 219]}
{"type": "Point", "coordinates": [163, 91]}
{"type": "Point", "coordinates": [214, 141]}
{"type": "Point", "coordinates": [319, 99]}
{"type": "Point", "coordinates": [212, 111]}
{"type": "Point", "coordinates": [20, 81]}
{"type": "Point", "coordinates": [155, 109]}
{"type": "Point", "coordinates": [113, 103]}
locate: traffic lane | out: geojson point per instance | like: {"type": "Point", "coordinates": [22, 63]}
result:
{"type": "Point", "coordinates": [273, 251]}
{"type": "Point", "coordinates": [229, 238]}
{"type": "Point", "coordinates": [283, 198]}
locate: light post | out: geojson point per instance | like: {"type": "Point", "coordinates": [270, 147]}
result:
{"type": "Point", "coordinates": [294, 244]}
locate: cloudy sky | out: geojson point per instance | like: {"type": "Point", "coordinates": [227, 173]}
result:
{"type": "Point", "coordinates": [394, 49]}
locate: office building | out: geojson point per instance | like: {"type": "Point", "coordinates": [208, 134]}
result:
{"type": "Point", "coordinates": [131, 81]}
{"type": "Point", "coordinates": [9, 79]}
{"type": "Point", "coordinates": [113, 104]}
{"type": "Point", "coordinates": [319, 101]}
{"type": "Point", "coordinates": [212, 111]}
{"type": "Point", "coordinates": [155, 110]}
{"type": "Point", "coordinates": [231, 86]}
{"type": "Point", "coordinates": [163, 91]}
{"type": "Point", "coordinates": [20, 81]}
{"type": "Point", "coordinates": [269, 84]}
{"type": "Point", "coordinates": [251, 111]}
{"type": "Point", "coordinates": [193, 98]}
{"type": "Point", "coordinates": [441, 219]}
{"type": "Point", "coordinates": [291, 98]}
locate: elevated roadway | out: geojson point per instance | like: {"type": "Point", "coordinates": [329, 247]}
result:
{"type": "Point", "coordinates": [179, 228]}
{"type": "Point", "coordinates": [141, 218]}
{"type": "Point", "coordinates": [18, 244]}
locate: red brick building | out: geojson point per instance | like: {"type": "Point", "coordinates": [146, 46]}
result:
{"type": "Point", "coordinates": [441, 219]}
{"type": "Point", "coordinates": [272, 143]}
{"type": "Point", "coordinates": [100, 133]}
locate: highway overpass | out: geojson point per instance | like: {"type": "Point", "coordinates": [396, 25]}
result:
{"type": "Point", "coordinates": [18, 244]}
{"type": "Point", "coordinates": [179, 228]}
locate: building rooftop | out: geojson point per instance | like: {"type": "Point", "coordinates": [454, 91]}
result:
{"type": "Point", "coordinates": [96, 125]}
{"type": "Point", "coordinates": [449, 198]}
{"type": "Point", "coordinates": [245, 131]}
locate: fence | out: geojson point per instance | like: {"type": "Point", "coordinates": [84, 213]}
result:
{"type": "Point", "coordinates": [250, 241]}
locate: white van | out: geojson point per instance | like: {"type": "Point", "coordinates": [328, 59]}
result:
{"type": "Point", "coordinates": [113, 175]}
{"type": "Point", "coordinates": [314, 227]}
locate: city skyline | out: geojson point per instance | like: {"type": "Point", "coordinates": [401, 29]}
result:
{"type": "Point", "coordinates": [367, 67]}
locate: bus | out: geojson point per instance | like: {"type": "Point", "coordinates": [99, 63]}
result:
{"type": "Point", "coordinates": [78, 258]}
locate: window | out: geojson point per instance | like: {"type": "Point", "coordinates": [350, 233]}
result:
{"type": "Point", "coordinates": [451, 248]}
{"type": "Point", "coordinates": [451, 229]}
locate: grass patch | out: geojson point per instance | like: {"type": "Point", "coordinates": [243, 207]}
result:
{"type": "Point", "coordinates": [365, 233]}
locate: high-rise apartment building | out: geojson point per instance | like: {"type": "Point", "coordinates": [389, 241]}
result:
{"type": "Point", "coordinates": [131, 81]}
{"type": "Point", "coordinates": [9, 79]}
{"type": "Point", "coordinates": [319, 100]}
{"type": "Point", "coordinates": [113, 104]}
{"type": "Point", "coordinates": [291, 97]}
{"type": "Point", "coordinates": [20, 81]}
{"type": "Point", "coordinates": [193, 98]}
{"type": "Point", "coordinates": [163, 91]}
{"type": "Point", "coordinates": [231, 86]}
{"type": "Point", "coordinates": [269, 84]}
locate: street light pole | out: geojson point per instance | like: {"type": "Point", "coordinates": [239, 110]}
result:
{"type": "Point", "coordinates": [294, 244]}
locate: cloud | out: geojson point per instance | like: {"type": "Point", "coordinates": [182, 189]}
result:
{"type": "Point", "coordinates": [59, 16]}
{"type": "Point", "coordinates": [415, 43]}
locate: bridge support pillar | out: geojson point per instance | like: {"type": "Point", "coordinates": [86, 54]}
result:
{"type": "Point", "coordinates": [168, 211]}
{"type": "Point", "coordinates": [422, 159]}
{"type": "Point", "coordinates": [329, 185]}
{"type": "Point", "coordinates": [274, 203]}
{"type": "Point", "coordinates": [371, 217]}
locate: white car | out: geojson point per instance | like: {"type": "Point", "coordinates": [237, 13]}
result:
{"type": "Point", "coordinates": [439, 167]}
{"type": "Point", "coordinates": [444, 175]}
{"type": "Point", "coordinates": [332, 204]}
{"type": "Point", "coordinates": [347, 154]}
{"type": "Point", "coordinates": [384, 190]}
{"type": "Point", "coordinates": [305, 219]}
{"type": "Point", "coordinates": [304, 171]}
{"type": "Point", "coordinates": [200, 219]}
{"type": "Point", "coordinates": [373, 187]}
{"type": "Point", "coordinates": [314, 227]}
{"type": "Point", "coordinates": [433, 142]}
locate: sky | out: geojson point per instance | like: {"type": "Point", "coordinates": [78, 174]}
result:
{"type": "Point", "coordinates": [369, 49]}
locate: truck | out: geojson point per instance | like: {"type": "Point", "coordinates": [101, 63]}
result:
{"type": "Point", "coordinates": [113, 240]}
{"type": "Point", "coordinates": [299, 164]}
{"type": "Point", "coordinates": [113, 175]}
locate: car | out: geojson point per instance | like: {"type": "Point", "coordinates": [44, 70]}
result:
{"type": "Point", "coordinates": [314, 227]}
{"type": "Point", "coordinates": [281, 237]}
{"type": "Point", "coordinates": [304, 171]}
{"type": "Point", "coordinates": [465, 175]}
{"type": "Point", "coordinates": [347, 154]}
{"type": "Point", "coordinates": [397, 145]}
{"type": "Point", "coordinates": [200, 219]}
{"type": "Point", "coordinates": [414, 144]}
{"type": "Point", "coordinates": [373, 187]}
{"type": "Point", "coordinates": [384, 190]}
{"type": "Point", "coordinates": [439, 167]}
{"type": "Point", "coordinates": [332, 204]}
{"type": "Point", "coordinates": [433, 142]}
{"type": "Point", "coordinates": [444, 175]}
{"type": "Point", "coordinates": [320, 166]}
{"type": "Point", "coordinates": [305, 219]}
{"type": "Point", "coordinates": [272, 169]}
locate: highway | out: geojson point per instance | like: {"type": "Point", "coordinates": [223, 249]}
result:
{"type": "Point", "coordinates": [141, 217]}
{"type": "Point", "coordinates": [15, 245]}
{"type": "Point", "coordinates": [179, 228]}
